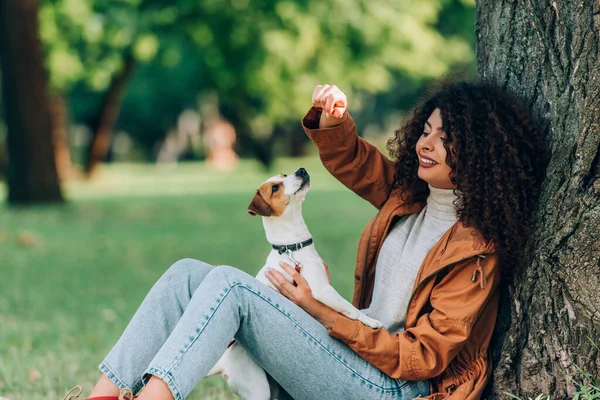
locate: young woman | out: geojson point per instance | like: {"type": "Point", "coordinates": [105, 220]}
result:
{"type": "Point", "coordinates": [455, 209]}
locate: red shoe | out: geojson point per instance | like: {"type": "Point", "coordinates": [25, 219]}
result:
{"type": "Point", "coordinates": [73, 394]}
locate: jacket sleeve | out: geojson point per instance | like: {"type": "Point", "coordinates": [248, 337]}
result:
{"type": "Point", "coordinates": [425, 350]}
{"type": "Point", "coordinates": [359, 165]}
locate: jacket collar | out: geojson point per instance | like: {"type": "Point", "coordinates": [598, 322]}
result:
{"type": "Point", "coordinates": [461, 242]}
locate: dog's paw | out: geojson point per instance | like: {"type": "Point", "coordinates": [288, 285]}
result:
{"type": "Point", "coordinates": [352, 313]}
{"type": "Point", "coordinates": [373, 323]}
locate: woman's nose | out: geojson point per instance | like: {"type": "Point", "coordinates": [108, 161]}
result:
{"type": "Point", "coordinates": [426, 143]}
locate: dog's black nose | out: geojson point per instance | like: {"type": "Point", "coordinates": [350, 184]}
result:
{"type": "Point", "coordinates": [301, 172]}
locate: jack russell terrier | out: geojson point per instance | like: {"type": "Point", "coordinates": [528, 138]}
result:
{"type": "Point", "coordinates": [279, 202]}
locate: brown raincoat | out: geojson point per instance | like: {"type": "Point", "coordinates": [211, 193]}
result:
{"type": "Point", "coordinates": [454, 304]}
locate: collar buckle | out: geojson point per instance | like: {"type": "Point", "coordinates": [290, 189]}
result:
{"type": "Point", "coordinates": [289, 255]}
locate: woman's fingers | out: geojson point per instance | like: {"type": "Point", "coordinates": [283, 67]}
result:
{"type": "Point", "coordinates": [302, 293]}
{"type": "Point", "coordinates": [331, 99]}
{"type": "Point", "coordinates": [321, 92]}
{"type": "Point", "coordinates": [327, 98]}
{"type": "Point", "coordinates": [279, 282]}
{"type": "Point", "coordinates": [295, 273]}
{"type": "Point", "coordinates": [336, 104]}
{"type": "Point", "coordinates": [318, 95]}
{"type": "Point", "coordinates": [298, 292]}
{"type": "Point", "coordinates": [315, 95]}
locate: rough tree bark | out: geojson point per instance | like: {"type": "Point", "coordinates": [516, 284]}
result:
{"type": "Point", "coordinates": [31, 172]}
{"type": "Point", "coordinates": [548, 53]}
{"type": "Point", "coordinates": [107, 117]}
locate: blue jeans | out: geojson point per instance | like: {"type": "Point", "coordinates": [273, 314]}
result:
{"type": "Point", "coordinates": [190, 315]}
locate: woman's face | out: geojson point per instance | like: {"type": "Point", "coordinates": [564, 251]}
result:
{"type": "Point", "coordinates": [430, 146]}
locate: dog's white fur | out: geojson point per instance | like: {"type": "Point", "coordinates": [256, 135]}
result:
{"type": "Point", "coordinates": [244, 376]}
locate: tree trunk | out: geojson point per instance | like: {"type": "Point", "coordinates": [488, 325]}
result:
{"type": "Point", "coordinates": [62, 152]}
{"type": "Point", "coordinates": [31, 174]}
{"type": "Point", "coordinates": [548, 53]}
{"type": "Point", "coordinates": [107, 117]}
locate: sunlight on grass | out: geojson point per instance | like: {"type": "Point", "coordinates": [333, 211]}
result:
{"type": "Point", "coordinates": [73, 275]}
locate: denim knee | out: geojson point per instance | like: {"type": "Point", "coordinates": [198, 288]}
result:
{"type": "Point", "coordinates": [184, 266]}
{"type": "Point", "coordinates": [228, 274]}
{"type": "Point", "coordinates": [186, 272]}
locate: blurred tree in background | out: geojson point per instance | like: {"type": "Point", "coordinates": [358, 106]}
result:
{"type": "Point", "coordinates": [32, 175]}
{"type": "Point", "coordinates": [134, 66]}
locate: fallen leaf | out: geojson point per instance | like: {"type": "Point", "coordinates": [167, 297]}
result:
{"type": "Point", "coordinates": [34, 374]}
{"type": "Point", "coordinates": [26, 239]}
{"type": "Point", "coordinates": [109, 315]}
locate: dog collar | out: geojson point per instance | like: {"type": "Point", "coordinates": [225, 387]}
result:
{"type": "Point", "coordinates": [291, 247]}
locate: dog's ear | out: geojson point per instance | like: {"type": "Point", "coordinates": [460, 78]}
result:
{"type": "Point", "coordinates": [259, 206]}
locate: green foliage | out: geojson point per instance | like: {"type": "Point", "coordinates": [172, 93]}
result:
{"type": "Point", "coordinates": [80, 44]}
{"type": "Point", "coordinates": [85, 40]}
{"type": "Point", "coordinates": [277, 51]}
{"type": "Point", "coordinates": [588, 388]}
{"type": "Point", "coordinates": [260, 58]}
{"type": "Point", "coordinates": [540, 397]}
{"type": "Point", "coordinates": [174, 87]}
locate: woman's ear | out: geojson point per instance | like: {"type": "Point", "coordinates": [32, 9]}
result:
{"type": "Point", "coordinates": [259, 206]}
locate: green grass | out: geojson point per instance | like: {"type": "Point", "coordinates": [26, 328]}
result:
{"type": "Point", "coordinates": [73, 275]}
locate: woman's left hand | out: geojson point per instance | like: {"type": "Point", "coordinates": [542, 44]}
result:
{"type": "Point", "coordinates": [301, 294]}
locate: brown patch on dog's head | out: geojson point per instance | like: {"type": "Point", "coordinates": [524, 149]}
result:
{"type": "Point", "coordinates": [269, 200]}
{"type": "Point", "coordinates": [259, 206]}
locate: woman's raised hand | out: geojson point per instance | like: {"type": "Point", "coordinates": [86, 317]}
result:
{"type": "Point", "coordinates": [332, 101]}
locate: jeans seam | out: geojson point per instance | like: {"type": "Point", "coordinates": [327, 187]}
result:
{"type": "Point", "coordinates": [167, 378]}
{"type": "Point", "coordinates": [199, 331]}
{"type": "Point", "coordinates": [239, 284]}
{"type": "Point", "coordinates": [113, 377]}
{"type": "Point", "coordinates": [392, 390]}
{"type": "Point", "coordinates": [110, 374]}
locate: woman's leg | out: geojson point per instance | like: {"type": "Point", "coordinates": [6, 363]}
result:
{"type": "Point", "coordinates": [287, 342]}
{"type": "Point", "coordinates": [150, 327]}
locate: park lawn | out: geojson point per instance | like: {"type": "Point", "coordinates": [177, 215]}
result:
{"type": "Point", "coordinates": [73, 275]}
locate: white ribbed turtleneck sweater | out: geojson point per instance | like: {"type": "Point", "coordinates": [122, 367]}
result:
{"type": "Point", "coordinates": [402, 254]}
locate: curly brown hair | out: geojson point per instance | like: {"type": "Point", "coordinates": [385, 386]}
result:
{"type": "Point", "coordinates": [498, 160]}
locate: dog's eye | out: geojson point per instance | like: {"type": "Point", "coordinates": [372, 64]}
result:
{"type": "Point", "coordinates": [284, 175]}
{"type": "Point", "coordinates": [275, 188]}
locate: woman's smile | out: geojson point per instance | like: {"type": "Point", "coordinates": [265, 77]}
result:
{"type": "Point", "coordinates": [431, 143]}
{"type": "Point", "coordinates": [426, 162]}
